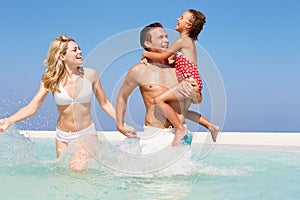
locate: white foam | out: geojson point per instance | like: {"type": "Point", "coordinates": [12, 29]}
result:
{"type": "Point", "coordinates": [227, 138]}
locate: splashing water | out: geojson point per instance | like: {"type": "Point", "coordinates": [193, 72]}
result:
{"type": "Point", "coordinates": [227, 173]}
{"type": "Point", "coordinates": [44, 119]}
{"type": "Point", "coordinates": [15, 148]}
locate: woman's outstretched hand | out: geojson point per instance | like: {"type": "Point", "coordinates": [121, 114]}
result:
{"type": "Point", "coordinates": [4, 124]}
{"type": "Point", "coordinates": [128, 131]}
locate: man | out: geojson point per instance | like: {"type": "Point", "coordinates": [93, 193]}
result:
{"type": "Point", "coordinates": [152, 79]}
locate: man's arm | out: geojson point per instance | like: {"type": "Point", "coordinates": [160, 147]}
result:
{"type": "Point", "coordinates": [130, 83]}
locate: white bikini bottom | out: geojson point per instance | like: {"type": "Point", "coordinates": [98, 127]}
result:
{"type": "Point", "coordinates": [67, 137]}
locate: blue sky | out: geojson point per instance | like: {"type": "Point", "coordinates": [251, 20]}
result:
{"type": "Point", "coordinates": [254, 45]}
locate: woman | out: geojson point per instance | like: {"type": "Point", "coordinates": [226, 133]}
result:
{"type": "Point", "coordinates": [72, 87]}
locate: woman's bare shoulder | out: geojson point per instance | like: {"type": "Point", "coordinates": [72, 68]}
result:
{"type": "Point", "coordinates": [90, 74]}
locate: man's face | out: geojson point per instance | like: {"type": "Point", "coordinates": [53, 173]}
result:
{"type": "Point", "coordinates": [159, 40]}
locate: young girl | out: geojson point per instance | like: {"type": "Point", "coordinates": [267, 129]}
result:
{"type": "Point", "coordinates": [189, 25]}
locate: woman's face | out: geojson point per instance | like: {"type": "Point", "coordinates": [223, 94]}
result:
{"type": "Point", "coordinates": [73, 55]}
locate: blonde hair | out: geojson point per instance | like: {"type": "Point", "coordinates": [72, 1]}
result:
{"type": "Point", "coordinates": [55, 71]}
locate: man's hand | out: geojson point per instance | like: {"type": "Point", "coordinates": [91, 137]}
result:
{"type": "Point", "coordinates": [194, 86]}
{"type": "Point", "coordinates": [193, 82]}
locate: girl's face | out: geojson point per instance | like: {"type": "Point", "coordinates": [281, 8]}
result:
{"type": "Point", "coordinates": [73, 55]}
{"type": "Point", "coordinates": [184, 22]}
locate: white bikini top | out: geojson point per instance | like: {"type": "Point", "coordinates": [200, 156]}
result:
{"type": "Point", "coordinates": [84, 96]}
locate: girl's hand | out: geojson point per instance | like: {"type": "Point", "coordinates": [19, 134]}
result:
{"type": "Point", "coordinates": [144, 59]}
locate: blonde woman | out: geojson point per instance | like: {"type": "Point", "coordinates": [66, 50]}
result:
{"type": "Point", "coordinates": [72, 87]}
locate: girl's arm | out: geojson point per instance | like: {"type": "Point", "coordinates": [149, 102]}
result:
{"type": "Point", "coordinates": [161, 56]}
{"type": "Point", "coordinates": [26, 111]}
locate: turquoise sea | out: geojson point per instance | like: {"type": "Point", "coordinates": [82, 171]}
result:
{"type": "Point", "coordinates": [29, 170]}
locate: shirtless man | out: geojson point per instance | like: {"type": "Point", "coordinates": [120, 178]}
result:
{"type": "Point", "coordinates": [152, 79]}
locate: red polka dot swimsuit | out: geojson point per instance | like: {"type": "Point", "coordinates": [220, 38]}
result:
{"type": "Point", "coordinates": [186, 68]}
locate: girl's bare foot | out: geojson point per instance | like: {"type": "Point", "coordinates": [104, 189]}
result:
{"type": "Point", "coordinates": [214, 130]}
{"type": "Point", "coordinates": [180, 133]}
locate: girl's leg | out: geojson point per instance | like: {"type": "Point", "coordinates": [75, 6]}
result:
{"type": "Point", "coordinates": [171, 115]}
{"type": "Point", "coordinates": [214, 129]}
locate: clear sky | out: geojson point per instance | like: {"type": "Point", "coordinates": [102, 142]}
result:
{"type": "Point", "coordinates": [255, 46]}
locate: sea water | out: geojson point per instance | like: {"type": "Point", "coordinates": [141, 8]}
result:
{"type": "Point", "coordinates": [30, 170]}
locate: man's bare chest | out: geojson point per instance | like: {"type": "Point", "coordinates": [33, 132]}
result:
{"type": "Point", "coordinates": [159, 78]}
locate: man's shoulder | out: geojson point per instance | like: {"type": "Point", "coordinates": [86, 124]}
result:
{"type": "Point", "coordinates": [138, 66]}
{"type": "Point", "coordinates": [136, 71]}
{"type": "Point", "coordinates": [141, 69]}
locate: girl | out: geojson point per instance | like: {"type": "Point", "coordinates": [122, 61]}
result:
{"type": "Point", "coordinates": [189, 25]}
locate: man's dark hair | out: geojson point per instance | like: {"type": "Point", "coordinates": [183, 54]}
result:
{"type": "Point", "coordinates": [145, 35]}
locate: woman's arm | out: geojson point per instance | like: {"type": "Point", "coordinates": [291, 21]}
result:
{"type": "Point", "coordinates": [26, 111]}
{"type": "Point", "coordinates": [104, 103]}
{"type": "Point", "coordinates": [107, 106]}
